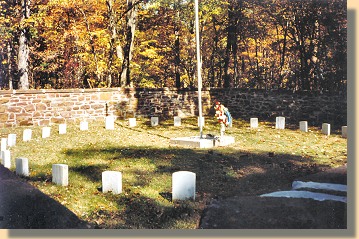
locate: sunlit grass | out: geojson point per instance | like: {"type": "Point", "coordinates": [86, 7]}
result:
{"type": "Point", "coordinates": [261, 160]}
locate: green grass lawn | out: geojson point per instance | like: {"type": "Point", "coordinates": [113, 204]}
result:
{"type": "Point", "coordinates": [262, 160]}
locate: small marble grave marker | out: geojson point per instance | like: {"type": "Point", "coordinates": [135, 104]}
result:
{"type": "Point", "coordinates": [303, 126]}
{"type": "Point", "coordinates": [112, 181]}
{"type": "Point", "coordinates": [3, 144]}
{"type": "Point", "coordinates": [201, 122]}
{"type": "Point", "coordinates": [154, 121]}
{"type": "Point", "coordinates": [345, 131]}
{"type": "Point", "coordinates": [280, 122]}
{"type": "Point", "coordinates": [183, 185]}
{"type": "Point", "coordinates": [60, 174]}
{"type": "Point", "coordinates": [177, 121]}
{"type": "Point", "coordinates": [132, 122]}
{"type": "Point", "coordinates": [27, 135]}
{"type": "Point", "coordinates": [110, 122]}
{"type": "Point", "coordinates": [326, 128]}
{"type": "Point", "coordinates": [254, 122]}
{"type": "Point", "coordinates": [46, 132]}
{"type": "Point", "coordinates": [84, 125]}
{"type": "Point", "coordinates": [11, 140]}
{"type": "Point", "coordinates": [6, 158]}
{"type": "Point", "coordinates": [22, 166]}
{"type": "Point", "coordinates": [62, 128]}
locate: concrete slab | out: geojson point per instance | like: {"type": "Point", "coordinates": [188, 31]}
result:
{"type": "Point", "coordinates": [193, 142]}
{"type": "Point", "coordinates": [205, 142]}
{"type": "Point", "coordinates": [322, 186]}
{"type": "Point", "coordinates": [306, 194]}
{"type": "Point", "coordinates": [224, 141]}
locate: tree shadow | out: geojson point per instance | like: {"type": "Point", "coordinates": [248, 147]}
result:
{"type": "Point", "coordinates": [92, 172]}
{"type": "Point", "coordinates": [153, 215]}
{"type": "Point", "coordinates": [219, 174]}
{"type": "Point", "coordinates": [26, 207]}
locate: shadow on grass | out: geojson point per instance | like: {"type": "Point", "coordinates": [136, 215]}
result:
{"type": "Point", "coordinates": [26, 207]}
{"type": "Point", "coordinates": [219, 174]}
{"type": "Point", "coordinates": [92, 172]}
{"type": "Point", "coordinates": [152, 214]}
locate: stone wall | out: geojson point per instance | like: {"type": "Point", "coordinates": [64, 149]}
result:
{"type": "Point", "coordinates": [314, 107]}
{"type": "Point", "coordinates": [44, 107]}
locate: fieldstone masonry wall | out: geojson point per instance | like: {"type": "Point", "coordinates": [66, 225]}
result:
{"type": "Point", "coordinates": [314, 107]}
{"type": "Point", "coordinates": [44, 107]}
{"type": "Point", "coordinates": [54, 106]}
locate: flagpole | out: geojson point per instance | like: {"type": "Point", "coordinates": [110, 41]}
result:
{"type": "Point", "coordinates": [199, 63]}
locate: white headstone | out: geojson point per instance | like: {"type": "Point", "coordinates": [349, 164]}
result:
{"type": "Point", "coordinates": [6, 158]}
{"type": "Point", "coordinates": [254, 122]}
{"type": "Point", "coordinates": [84, 125]}
{"type": "Point", "coordinates": [345, 131]}
{"type": "Point", "coordinates": [183, 185]}
{"type": "Point", "coordinates": [303, 126]}
{"type": "Point", "coordinates": [22, 166]}
{"type": "Point", "coordinates": [154, 121]}
{"type": "Point", "coordinates": [326, 128]}
{"type": "Point", "coordinates": [177, 121]}
{"type": "Point", "coordinates": [27, 135]}
{"type": "Point", "coordinates": [11, 140]}
{"type": "Point", "coordinates": [62, 128]}
{"type": "Point", "coordinates": [46, 132]}
{"type": "Point", "coordinates": [60, 174]}
{"type": "Point", "coordinates": [112, 182]}
{"type": "Point", "coordinates": [3, 144]}
{"type": "Point", "coordinates": [202, 121]}
{"type": "Point", "coordinates": [132, 122]}
{"type": "Point", "coordinates": [280, 122]}
{"type": "Point", "coordinates": [110, 122]}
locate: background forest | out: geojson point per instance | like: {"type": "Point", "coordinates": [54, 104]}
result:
{"type": "Point", "coordinates": [264, 44]}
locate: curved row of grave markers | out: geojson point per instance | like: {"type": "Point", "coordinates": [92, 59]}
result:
{"type": "Point", "coordinates": [303, 126]}
{"type": "Point", "coordinates": [183, 182]}
{"type": "Point", "coordinates": [109, 124]}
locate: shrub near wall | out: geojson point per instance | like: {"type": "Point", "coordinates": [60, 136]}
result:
{"type": "Point", "coordinates": [43, 107]}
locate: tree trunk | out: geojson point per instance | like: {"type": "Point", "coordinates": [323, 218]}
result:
{"type": "Point", "coordinates": [177, 59]}
{"type": "Point", "coordinates": [232, 47]}
{"type": "Point", "coordinates": [115, 48]}
{"type": "Point", "coordinates": [9, 69]}
{"type": "Point", "coordinates": [23, 54]}
{"type": "Point", "coordinates": [131, 18]}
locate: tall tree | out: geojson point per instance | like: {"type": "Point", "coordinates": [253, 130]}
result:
{"type": "Point", "coordinates": [8, 31]}
{"type": "Point", "coordinates": [263, 44]}
{"type": "Point", "coordinates": [23, 55]}
{"type": "Point", "coordinates": [131, 21]}
{"type": "Point", "coordinates": [234, 17]}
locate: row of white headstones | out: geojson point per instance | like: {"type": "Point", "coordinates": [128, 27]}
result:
{"type": "Point", "coordinates": [303, 126]}
{"type": "Point", "coordinates": [183, 182]}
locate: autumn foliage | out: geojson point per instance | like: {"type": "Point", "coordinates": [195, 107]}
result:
{"type": "Point", "coordinates": [265, 44]}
